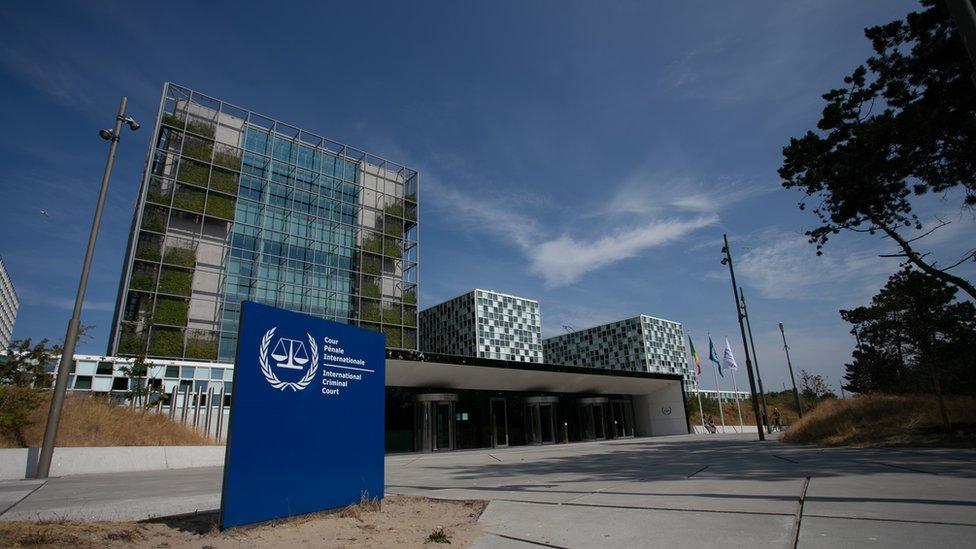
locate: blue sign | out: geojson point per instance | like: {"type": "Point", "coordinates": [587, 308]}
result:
{"type": "Point", "coordinates": [306, 418]}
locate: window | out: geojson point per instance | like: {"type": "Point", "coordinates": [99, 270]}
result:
{"type": "Point", "coordinates": [83, 382]}
{"type": "Point", "coordinates": [120, 384]}
{"type": "Point", "coordinates": [104, 368]}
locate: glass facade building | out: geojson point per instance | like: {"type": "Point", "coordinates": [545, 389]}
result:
{"type": "Point", "coordinates": [640, 344]}
{"type": "Point", "coordinates": [237, 206]}
{"type": "Point", "coordinates": [484, 324]}
{"type": "Point", "coordinates": [9, 304]}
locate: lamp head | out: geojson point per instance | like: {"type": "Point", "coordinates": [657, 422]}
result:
{"type": "Point", "coordinates": [725, 261]}
{"type": "Point", "coordinates": [133, 125]}
{"type": "Point", "coordinates": [725, 249]}
{"type": "Point", "coordinates": [106, 134]}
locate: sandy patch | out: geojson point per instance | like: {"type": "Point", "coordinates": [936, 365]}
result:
{"type": "Point", "coordinates": [399, 521]}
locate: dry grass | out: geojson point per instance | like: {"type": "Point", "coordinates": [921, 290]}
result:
{"type": "Point", "coordinates": [94, 422]}
{"type": "Point", "coordinates": [401, 522]}
{"type": "Point", "coordinates": [887, 420]}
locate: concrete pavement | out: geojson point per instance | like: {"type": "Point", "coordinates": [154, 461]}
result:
{"type": "Point", "coordinates": [690, 491]}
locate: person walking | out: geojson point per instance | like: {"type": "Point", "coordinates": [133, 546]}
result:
{"type": "Point", "coordinates": [777, 420]}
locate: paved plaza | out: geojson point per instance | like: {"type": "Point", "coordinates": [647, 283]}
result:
{"type": "Point", "coordinates": [681, 491]}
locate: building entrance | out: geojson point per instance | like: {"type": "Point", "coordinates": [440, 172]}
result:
{"type": "Point", "coordinates": [540, 419]}
{"type": "Point", "coordinates": [499, 423]}
{"type": "Point", "coordinates": [622, 415]}
{"type": "Point", "coordinates": [593, 418]}
{"type": "Point", "coordinates": [434, 429]}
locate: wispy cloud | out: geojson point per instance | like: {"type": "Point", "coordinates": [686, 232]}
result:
{"type": "Point", "coordinates": [562, 258]}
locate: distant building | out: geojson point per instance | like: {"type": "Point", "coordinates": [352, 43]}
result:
{"type": "Point", "coordinates": [640, 344]}
{"type": "Point", "coordinates": [9, 304]}
{"type": "Point", "coordinates": [484, 324]}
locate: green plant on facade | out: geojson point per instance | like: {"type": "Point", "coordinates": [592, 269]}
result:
{"type": "Point", "coordinates": [189, 199]}
{"type": "Point", "coordinates": [205, 129]}
{"type": "Point", "coordinates": [148, 251]}
{"type": "Point", "coordinates": [154, 221]}
{"type": "Point", "coordinates": [373, 243]}
{"type": "Point", "coordinates": [193, 173]}
{"type": "Point", "coordinates": [228, 159]}
{"type": "Point", "coordinates": [166, 342]}
{"type": "Point", "coordinates": [392, 336]}
{"type": "Point", "coordinates": [371, 264]}
{"type": "Point", "coordinates": [201, 347]}
{"type": "Point", "coordinates": [132, 343]}
{"type": "Point", "coordinates": [370, 290]}
{"type": "Point", "coordinates": [170, 311]}
{"type": "Point", "coordinates": [395, 210]}
{"type": "Point", "coordinates": [393, 248]}
{"type": "Point", "coordinates": [175, 281]}
{"type": "Point", "coordinates": [198, 149]}
{"type": "Point", "coordinates": [391, 314]}
{"type": "Point", "coordinates": [142, 280]}
{"type": "Point", "coordinates": [184, 257]}
{"type": "Point", "coordinates": [158, 195]}
{"type": "Point", "coordinates": [370, 311]}
{"type": "Point", "coordinates": [220, 206]}
{"type": "Point", "coordinates": [393, 227]}
{"type": "Point", "coordinates": [410, 297]}
{"type": "Point", "coordinates": [409, 316]}
{"type": "Point", "coordinates": [411, 213]}
{"type": "Point", "coordinates": [409, 339]}
{"type": "Point", "coordinates": [223, 181]}
{"type": "Point", "coordinates": [174, 120]}
{"type": "Point", "coordinates": [411, 198]}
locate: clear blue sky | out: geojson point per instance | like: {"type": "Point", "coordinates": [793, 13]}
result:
{"type": "Point", "coordinates": [588, 155]}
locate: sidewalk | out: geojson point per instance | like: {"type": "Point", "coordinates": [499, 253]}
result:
{"type": "Point", "coordinates": [689, 491]}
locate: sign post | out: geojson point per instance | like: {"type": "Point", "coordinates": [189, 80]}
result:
{"type": "Point", "coordinates": [306, 418]}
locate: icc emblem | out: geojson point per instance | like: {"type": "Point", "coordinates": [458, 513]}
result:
{"type": "Point", "coordinates": [289, 354]}
{"type": "Point", "coordinates": [666, 410]}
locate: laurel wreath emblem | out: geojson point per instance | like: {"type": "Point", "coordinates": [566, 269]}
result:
{"type": "Point", "coordinates": [270, 375]}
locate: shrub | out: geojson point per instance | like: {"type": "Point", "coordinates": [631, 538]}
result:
{"type": "Point", "coordinates": [154, 221]}
{"type": "Point", "coordinates": [393, 247]}
{"type": "Point", "coordinates": [132, 343]}
{"type": "Point", "coordinates": [228, 159]}
{"type": "Point", "coordinates": [200, 127]}
{"type": "Point", "coordinates": [189, 199]}
{"type": "Point", "coordinates": [373, 243]}
{"type": "Point", "coordinates": [170, 311]}
{"type": "Point", "coordinates": [194, 173]}
{"type": "Point", "coordinates": [369, 289]}
{"type": "Point", "coordinates": [220, 206]}
{"type": "Point", "coordinates": [223, 181]}
{"type": "Point", "coordinates": [175, 281]}
{"type": "Point", "coordinates": [142, 280]}
{"type": "Point", "coordinates": [184, 257]}
{"type": "Point", "coordinates": [409, 339]}
{"type": "Point", "coordinates": [201, 347]}
{"type": "Point", "coordinates": [198, 148]}
{"type": "Point", "coordinates": [411, 213]}
{"type": "Point", "coordinates": [393, 227]}
{"type": "Point", "coordinates": [394, 210]}
{"type": "Point", "coordinates": [166, 342]}
{"type": "Point", "coordinates": [370, 311]}
{"type": "Point", "coordinates": [147, 250]}
{"type": "Point", "coordinates": [392, 336]}
{"type": "Point", "coordinates": [174, 120]}
{"type": "Point", "coordinates": [410, 297]}
{"type": "Point", "coordinates": [16, 405]}
{"type": "Point", "coordinates": [371, 264]}
{"type": "Point", "coordinates": [391, 314]}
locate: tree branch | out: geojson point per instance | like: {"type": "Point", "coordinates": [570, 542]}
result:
{"type": "Point", "coordinates": [915, 258]}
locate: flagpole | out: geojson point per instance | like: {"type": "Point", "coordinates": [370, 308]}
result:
{"type": "Point", "coordinates": [718, 393]}
{"type": "Point", "coordinates": [701, 412]}
{"type": "Point", "coordinates": [738, 402]}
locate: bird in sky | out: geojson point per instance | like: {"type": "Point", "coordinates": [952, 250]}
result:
{"type": "Point", "coordinates": [44, 213]}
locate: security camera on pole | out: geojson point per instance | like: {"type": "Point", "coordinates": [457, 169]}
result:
{"type": "Point", "coordinates": [727, 260]}
{"type": "Point", "coordinates": [67, 354]}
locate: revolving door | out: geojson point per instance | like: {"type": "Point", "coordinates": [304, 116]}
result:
{"type": "Point", "coordinates": [434, 422]}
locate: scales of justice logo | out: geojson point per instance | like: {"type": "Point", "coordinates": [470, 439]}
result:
{"type": "Point", "coordinates": [289, 354]}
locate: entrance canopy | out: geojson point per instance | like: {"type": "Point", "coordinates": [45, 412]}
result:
{"type": "Point", "coordinates": [658, 398]}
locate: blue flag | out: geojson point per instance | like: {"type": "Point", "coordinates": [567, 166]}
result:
{"type": "Point", "coordinates": [713, 356]}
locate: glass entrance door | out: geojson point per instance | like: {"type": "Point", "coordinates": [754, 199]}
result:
{"type": "Point", "coordinates": [434, 422]}
{"type": "Point", "coordinates": [540, 420]}
{"type": "Point", "coordinates": [499, 423]}
{"type": "Point", "coordinates": [623, 419]}
{"type": "Point", "coordinates": [593, 418]}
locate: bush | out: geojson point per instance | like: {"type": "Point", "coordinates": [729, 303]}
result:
{"type": "Point", "coordinates": [393, 248]}
{"type": "Point", "coordinates": [391, 315]}
{"type": "Point", "coordinates": [373, 243]}
{"type": "Point", "coordinates": [371, 264]}
{"type": "Point", "coordinates": [194, 173]}
{"type": "Point", "coordinates": [410, 297]}
{"type": "Point", "coordinates": [189, 199]}
{"type": "Point", "coordinates": [175, 281]}
{"type": "Point", "coordinates": [174, 120]}
{"type": "Point", "coordinates": [142, 280]}
{"type": "Point", "coordinates": [228, 159]}
{"type": "Point", "coordinates": [409, 339]}
{"type": "Point", "coordinates": [16, 405]}
{"type": "Point", "coordinates": [223, 181]}
{"type": "Point", "coordinates": [200, 127]}
{"type": "Point", "coordinates": [201, 347]}
{"type": "Point", "coordinates": [220, 206]}
{"type": "Point", "coordinates": [392, 337]}
{"type": "Point", "coordinates": [370, 311]}
{"type": "Point", "coordinates": [393, 227]}
{"type": "Point", "coordinates": [184, 257]}
{"type": "Point", "coordinates": [170, 311]}
{"type": "Point", "coordinates": [166, 342]}
{"type": "Point", "coordinates": [198, 148]}
{"type": "Point", "coordinates": [132, 343]}
{"type": "Point", "coordinates": [147, 250]}
{"type": "Point", "coordinates": [154, 221]}
{"type": "Point", "coordinates": [369, 289]}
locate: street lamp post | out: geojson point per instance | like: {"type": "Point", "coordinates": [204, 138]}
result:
{"type": "Point", "coordinates": [796, 394]}
{"type": "Point", "coordinates": [71, 337]}
{"type": "Point", "coordinates": [755, 360]}
{"type": "Point", "coordinates": [727, 260]}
